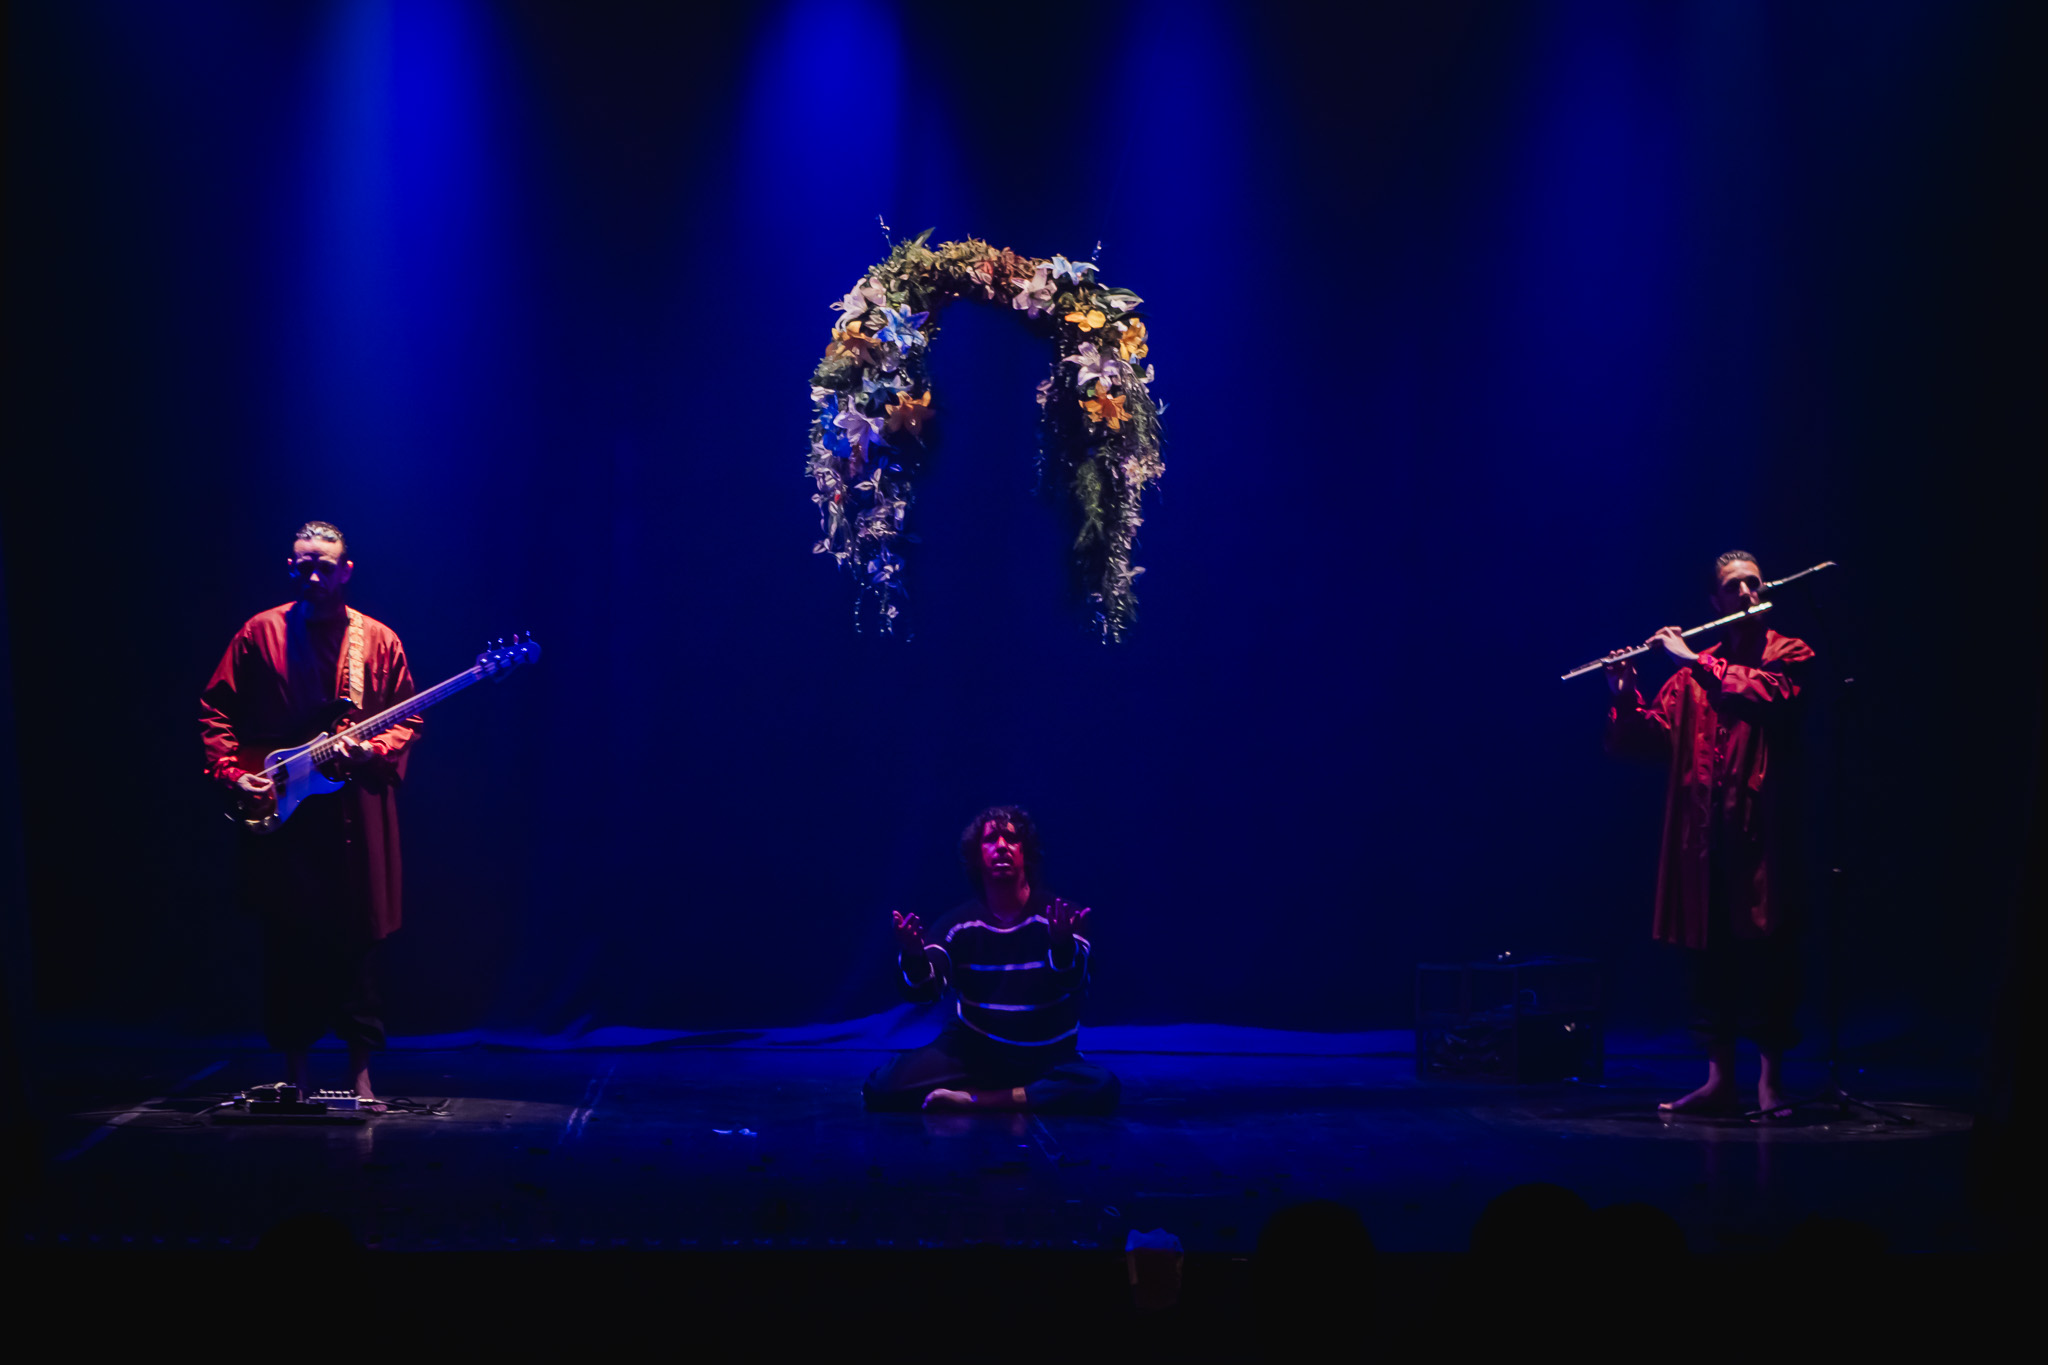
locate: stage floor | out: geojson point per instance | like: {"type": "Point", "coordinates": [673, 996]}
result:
{"type": "Point", "coordinates": [729, 1147]}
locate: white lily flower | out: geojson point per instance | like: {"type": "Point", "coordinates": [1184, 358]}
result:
{"type": "Point", "coordinates": [1034, 295]}
{"type": "Point", "coordinates": [858, 300]}
{"type": "Point", "coordinates": [1097, 365]}
{"type": "Point", "coordinates": [858, 426]}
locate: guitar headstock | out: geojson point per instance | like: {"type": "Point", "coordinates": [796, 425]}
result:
{"type": "Point", "coordinates": [501, 658]}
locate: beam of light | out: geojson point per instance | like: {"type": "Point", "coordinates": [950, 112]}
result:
{"type": "Point", "coordinates": [401, 177]}
{"type": "Point", "coordinates": [820, 126]}
{"type": "Point", "coordinates": [1595, 222]}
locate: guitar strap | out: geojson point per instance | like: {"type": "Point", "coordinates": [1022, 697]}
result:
{"type": "Point", "coordinates": [352, 658]}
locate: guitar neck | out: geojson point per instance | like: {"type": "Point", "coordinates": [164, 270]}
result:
{"type": "Point", "coordinates": [371, 726]}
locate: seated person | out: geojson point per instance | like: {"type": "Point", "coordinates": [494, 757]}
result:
{"type": "Point", "coordinates": [1019, 965]}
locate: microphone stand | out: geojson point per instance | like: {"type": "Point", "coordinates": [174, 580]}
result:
{"type": "Point", "coordinates": [1836, 1096]}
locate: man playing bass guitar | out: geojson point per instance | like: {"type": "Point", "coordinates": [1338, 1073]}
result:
{"type": "Point", "coordinates": [325, 884]}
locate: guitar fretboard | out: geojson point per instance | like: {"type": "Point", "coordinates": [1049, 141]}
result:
{"type": "Point", "coordinates": [372, 726]}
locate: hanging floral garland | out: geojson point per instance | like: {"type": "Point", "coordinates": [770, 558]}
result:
{"type": "Point", "coordinates": [872, 428]}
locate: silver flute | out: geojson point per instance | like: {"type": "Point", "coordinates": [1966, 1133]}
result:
{"type": "Point", "coordinates": [1620, 654]}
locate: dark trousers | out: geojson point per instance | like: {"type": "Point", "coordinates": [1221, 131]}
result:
{"type": "Point", "coordinates": [1745, 987]}
{"type": "Point", "coordinates": [318, 980]}
{"type": "Point", "coordinates": [961, 1059]}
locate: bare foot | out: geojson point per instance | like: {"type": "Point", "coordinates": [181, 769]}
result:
{"type": "Point", "coordinates": [359, 1071]}
{"type": "Point", "coordinates": [1770, 1096]}
{"type": "Point", "coordinates": [1717, 1096]}
{"type": "Point", "coordinates": [949, 1099]}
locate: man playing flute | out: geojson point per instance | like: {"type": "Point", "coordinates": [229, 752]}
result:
{"type": "Point", "coordinates": [1726, 722]}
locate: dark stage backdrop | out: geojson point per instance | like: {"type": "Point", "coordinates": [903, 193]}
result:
{"type": "Point", "coordinates": [1483, 328]}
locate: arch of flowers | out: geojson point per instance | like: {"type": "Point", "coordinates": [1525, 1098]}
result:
{"type": "Point", "coordinates": [872, 427]}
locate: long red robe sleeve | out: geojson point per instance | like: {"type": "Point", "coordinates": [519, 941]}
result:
{"type": "Point", "coordinates": [1724, 727]}
{"type": "Point", "coordinates": [338, 856]}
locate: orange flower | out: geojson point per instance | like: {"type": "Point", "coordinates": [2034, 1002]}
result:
{"type": "Point", "coordinates": [1131, 344]}
{"type": "Point", "coordinates": [908, 414]}
{"type": "Point", "coordinates": [848, 341]}
{"type": "Point", "coordinates": [1106, 408]}
{"type": "Point", "coordinates": [1089, 320]}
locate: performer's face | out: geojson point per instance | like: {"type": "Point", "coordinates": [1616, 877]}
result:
{"type": "Point", "coordinates": [1741, 586]}
{"type": "Point", "coordinates": [316, 571]}
{"type": "Point", "coordinates": [1002, 853]}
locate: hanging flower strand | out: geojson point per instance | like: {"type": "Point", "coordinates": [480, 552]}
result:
{"type": "Point", "coordinates": [872, 427]}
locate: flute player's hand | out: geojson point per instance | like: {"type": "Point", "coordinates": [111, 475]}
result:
{"type": "Point", "coordinates": [1673, 642]}
{"type": "Point", "coordinates": [1621, 676]}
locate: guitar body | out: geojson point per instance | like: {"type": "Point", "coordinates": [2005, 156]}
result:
{"type": "Point", "coordinates": [296, 777]}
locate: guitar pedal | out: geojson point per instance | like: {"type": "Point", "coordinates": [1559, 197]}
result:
{"type": "Point", "coordinates": [344, 1101]}
{"type": "Point", "coordinates": [286, 1103]}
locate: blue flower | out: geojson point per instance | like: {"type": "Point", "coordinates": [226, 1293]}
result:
{"type": "Point", "coordinates": [835, 433]}
{"type": "Point", "coordinates": [901, 329]}
{"type": "Point", "coordinates": [1064, 269]}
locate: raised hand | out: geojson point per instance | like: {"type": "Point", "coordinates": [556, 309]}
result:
{"type": "Point", "coordinates": [1066, 921]}
{"type": "Point", "coordinates": [909, 931]}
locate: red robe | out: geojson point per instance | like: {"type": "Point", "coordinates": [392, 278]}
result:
{"type": "Point", "coordinates": [337, 858]}
{"type": "Point", "coordinates": [1721, 723]}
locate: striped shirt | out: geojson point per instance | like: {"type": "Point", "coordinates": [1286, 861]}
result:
{"type": "Point", "coordinates": [1009, 986]}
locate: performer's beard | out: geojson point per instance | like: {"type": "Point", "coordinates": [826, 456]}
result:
{"type": "Point", "coordinates": [319, 599]}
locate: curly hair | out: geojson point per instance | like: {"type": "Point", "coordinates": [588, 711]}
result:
{"type": "Point", "coordinates": [1018, 819]}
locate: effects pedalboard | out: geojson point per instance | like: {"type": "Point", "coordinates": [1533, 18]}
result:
{"type": "Point", "coordinates": [283, 1103]}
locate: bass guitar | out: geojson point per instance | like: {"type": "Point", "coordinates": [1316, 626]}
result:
{"type": "Point", "coordinates": [295, 772]}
